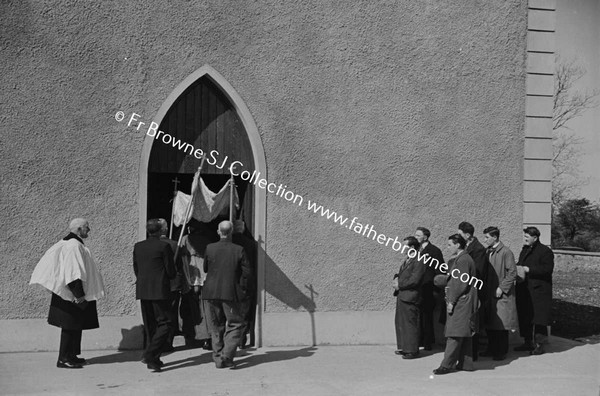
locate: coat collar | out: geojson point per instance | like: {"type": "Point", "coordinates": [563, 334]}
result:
{"type": "Point", "coordinates": [72, 236]}
{"type": "Point", "coordinates": [460, 254]}
{"type": "Point", "coordinates": [497, 248]}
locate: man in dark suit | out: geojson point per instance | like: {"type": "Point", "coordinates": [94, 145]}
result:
{"type": "Point", "coordinates": [427, 336]}
{"type": "Point", "coordinates": [408, 287]}
{"type": "Point", "coordinates": [477, 252]}
{"type": "Point", "coordinates": [153, 266]}
{"type": "Point", "coordinates": [534, 294]}
{"type": "Point", "coordinates": [225, 290]}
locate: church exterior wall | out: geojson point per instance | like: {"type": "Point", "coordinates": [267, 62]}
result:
{"type": "Point", "coordinates": [401, 114]}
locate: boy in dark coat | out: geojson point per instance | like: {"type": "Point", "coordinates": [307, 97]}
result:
{"type": "Point", "coordinates": [534, 294]}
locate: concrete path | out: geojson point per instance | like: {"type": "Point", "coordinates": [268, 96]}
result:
{"type": "Point", "coordinates": [570, 368]}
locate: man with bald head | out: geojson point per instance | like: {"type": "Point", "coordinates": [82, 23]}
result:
{"type": "Point", "coordinates": [69, 271]}
{"type": "Point", "coordinates": [225, 290]}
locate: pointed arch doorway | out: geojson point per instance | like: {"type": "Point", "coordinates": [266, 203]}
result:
{"type": "Point", "coordinates": [206, 112]}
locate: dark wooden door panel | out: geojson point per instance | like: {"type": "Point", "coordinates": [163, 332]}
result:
{"type": "Point", "coordinates": [205, 118]}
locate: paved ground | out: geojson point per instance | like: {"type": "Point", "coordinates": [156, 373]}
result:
{"type": "Point", "coordinates": [570, 368]}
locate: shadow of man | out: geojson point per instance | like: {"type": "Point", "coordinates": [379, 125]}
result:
{"type": "Point", "coordinates": [273, 356]}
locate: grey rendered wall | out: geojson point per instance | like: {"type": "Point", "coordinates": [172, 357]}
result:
{"type": "Point", "coordinates": [400, 113]}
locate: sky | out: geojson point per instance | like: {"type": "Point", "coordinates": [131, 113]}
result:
{"type": "Point", "coordinates": [578, 36]}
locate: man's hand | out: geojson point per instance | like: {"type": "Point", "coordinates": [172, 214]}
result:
{"type": "Point", "coordinates": [395, 284]}
{"type": "Point", "coordinates": [196, 289]}
{"type": "Point", "coordinates": [79, 300]}
{"type": "Point", "coordinates": [498, 293]}
{"type": "Point", "coordinates": [449, 308]}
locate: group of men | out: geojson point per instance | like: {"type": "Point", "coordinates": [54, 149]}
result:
{"type": "Point", "coordinates": [217, 281]}
{"type": "Point", "coordinates": [513, 294]}
{"type": "Point", "coordinates": [212, 284]}
{"type": "Point", "coordinates": [218, 294]}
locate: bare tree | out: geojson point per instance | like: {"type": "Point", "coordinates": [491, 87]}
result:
{"type": "Point", "coordinates": [569, 103]}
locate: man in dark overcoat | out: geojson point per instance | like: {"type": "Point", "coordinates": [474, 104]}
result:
{"type": "Point", "coordinates": [154, 268]}
{"type": "Point", "coordinates": [226, 292]}
{"type": "Point", "coordinates": [534, 294]}
{"type": "Point", "coordinates": [461, 307]}
{"type": "Point", "coordinates": [408, 285]}
{"type": "Point", "coordinates": [427, 306]}
{"type": "Point", "coordinates": [477, 252]}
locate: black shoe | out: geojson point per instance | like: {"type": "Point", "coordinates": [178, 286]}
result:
{"type": "Point", "coordinates": [526, 346]}
{"type": "Point", "coordinates": [68, 364]}
{"type": "Point", "coordinates": [154, 366]}
{"type": "Point", "coordinates": [399, 352]}
{"type": "Point", "coordinates": [499, 357]}
{"type": "Point", "coordinates": [193, 343]}
{"type": "Point", "coordinates": [486, 353]}
{"type": "Point", "coordinates": [157, 362]}
{"type": "Point", "coordinates": [538, 350]}
{"type": "Point", "coordinates": [427, 348]}
{"type": "Point", "coordinates": [410, 355]}
{"type": "Point", "coordinates": [168, 348]}
{"type": "Point", "coordinates": [79, 360]}
{"type": "Point", "coordinates": [442, 370]}
{"type": "Point", "coordinates": [224, 363]}
{"type": "Point", "coordinates": [228, 363]}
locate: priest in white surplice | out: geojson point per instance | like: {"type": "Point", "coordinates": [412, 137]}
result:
{"type": "Point", "coordinates": [69, 271]}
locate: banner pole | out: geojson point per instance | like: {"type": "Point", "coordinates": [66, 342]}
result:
{"type": "Point", "coordinates": [175, 182]}
{"type": "Point", "coordinates": [231, 187]}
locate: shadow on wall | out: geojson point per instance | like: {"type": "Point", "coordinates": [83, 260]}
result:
{"type": "Point", "coordinates": [278, 285]}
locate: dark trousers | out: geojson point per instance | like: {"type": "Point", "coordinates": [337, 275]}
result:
{"type": "Point", "coordinates": [70, 344]}
{"type": "Point", "coordinates": [475, 346]}
{"type": "Point", "coordinates": [458, 353]}
{"type": "Point", "coordinates": [540, 334]}
{"type": "Point", "coordinates": [186, 311]}
{"type": "Point", "coordinates": [531, 332]}
{"type": "Point", "coordinates": [250, 321]}
{"type": "Point", "coordinates": [497, 342]}
{"type": "Point", "coordinates": [201, 328]}
{"type": "Point", "coordinates": [182, 307]}
{"type": "Point", "coordinates": [427, 336]}
{"type": "Point", "coordinates": [407, 326]}
{"type": "Point", "coordinates": [226, 322]}
{"type": "Point", "coordinates": [157, 325]}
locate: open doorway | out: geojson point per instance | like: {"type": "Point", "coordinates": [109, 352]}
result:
{"type": "Point", "coordinates": [205, 110]}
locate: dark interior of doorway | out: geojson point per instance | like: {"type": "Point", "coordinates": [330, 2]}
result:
{"type": "Point", "coordinates": [160, 196]}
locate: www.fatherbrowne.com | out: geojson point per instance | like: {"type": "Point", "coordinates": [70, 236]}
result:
{"type": "Point", "coordinates": [367, 231]}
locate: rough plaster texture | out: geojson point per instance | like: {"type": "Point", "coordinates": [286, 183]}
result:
{"type": "Point", "coordinates": [399, 113]}
{"type": "Point", "coordinates": [576, 262]}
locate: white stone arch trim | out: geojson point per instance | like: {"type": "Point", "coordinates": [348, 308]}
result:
{"type": "Point", "coordinates": [259, 163]}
